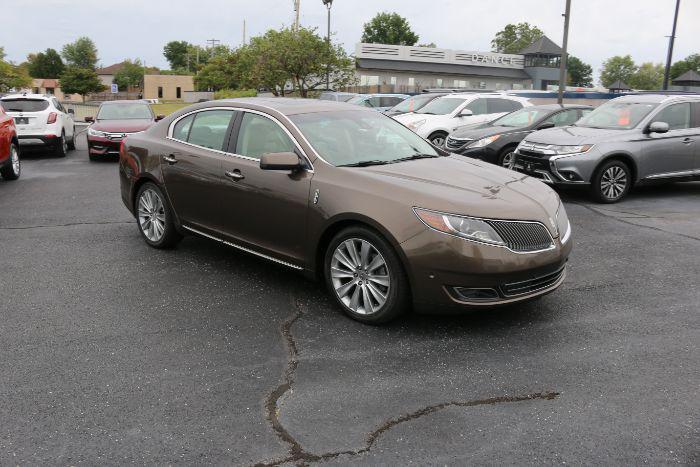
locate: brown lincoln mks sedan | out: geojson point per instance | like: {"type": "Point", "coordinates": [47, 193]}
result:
{"type": "Point", "coordinates": [351, 196]}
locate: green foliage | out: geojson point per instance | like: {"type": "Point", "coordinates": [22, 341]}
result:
{"type": "Point", "coordinates": [186, 58]}
{"type": "Point", "coordinates": [81, 81]}
{"type": "Point", "coordinates": [649, 76]}
{"type": "Point", "coordinates": [515, 37]}
{"type": "Point", "coordinates": [389, 28]}
{"type": "Point", "coordinates": [691, 62]}
{"type": "Point", "coordinates": [234, 93]}
{"type": "Point", "coordinates": [12, 76]}
{"type": "Point", "coordinates": [81, 54]}
{"type": "Point", "coordinates": [176, 54]}
{"type": "Point", "coordinates": [46, 64]}
{"type": "Point", "coordinates": [617, 68]}
{"type": "Point", "coordinates": [580, 74]}
{"type": "Point", "coordinates": [131, 74]}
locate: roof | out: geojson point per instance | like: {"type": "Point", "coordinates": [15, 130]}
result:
{"type": "Point", "coordinates": [690, 76]}
{"type": "Point", "coordinates": [288, 105]}
{"type": "Point", "coordinates": [544, 45]}
{"type": "Point", "coordinates": [619, 85]}
{"type": "Point", "coordinates": [656, 98]}
{"type": "Point", "coordinates": [559, 106]}
{"type": "Point", "coordinates": [110, 70]}
{"type": "Point", "coordinates": [441, 68]}
{"type": "Point", "coordinates": [25, 95]}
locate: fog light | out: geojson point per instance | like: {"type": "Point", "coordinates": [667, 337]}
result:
{"type": "Point", "coordinates": [475, 295]}
{"type": "Point", "coordinates": [570, 176]}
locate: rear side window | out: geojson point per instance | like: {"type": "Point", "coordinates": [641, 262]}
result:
{"type": "Point", "coordinates": [259, 135]}
{"type": "Point", "coordinates": [478, 107]}
{"type": "Point", "coordinates": [374, 101]}
{"type": "Point", "coordinates": [389, 101]}
{"type": "Point", "coordinates": [209, 129]}
{"type": "Point", "coordinates": [677, 116]}
{"type": "Point", "coordinates": [24, 105]}
{"type": "Point", "coordinates": [496, 106]}
{"type": "Point", "coordinates": [564, 118]}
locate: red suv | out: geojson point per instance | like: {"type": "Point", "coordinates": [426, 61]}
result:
{"type": "Point", "coordinates": [115, 121]}
{"type": "Point", "coordinates": [9, 148]}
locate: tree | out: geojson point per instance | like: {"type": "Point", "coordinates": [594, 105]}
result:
{"type": "Point", "coordinates": [221, 72]}
{"type": "Point", "coordinates": [617, 68]}
{"type": "Point", "coordinates": [580, 74]}
{"type": "Point", "coordinates": [691, 62]}
{"type": "Point", "coordinates": [13, 76]}
{"type": "Point", "coordinates": [430, 45]}
{"type": "Point", "coordinates": [46, 64]}
{"type": "Point", "coordinates": [176, 54]}
{"type": "Point", "coordinates": [515, 37]}
{"type": "Point", "coordinates": [81, 81]}
{"type": "Point", "coordinates": [130, 74]}
{"type": "Point", "coordinates": [389, 28]}
{"type": "Point", "coordinates": [81, 54]}
{"type": "Point", "coordinates": [649, 76]}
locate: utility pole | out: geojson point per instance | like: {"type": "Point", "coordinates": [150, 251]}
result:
{"type": "Point", "coordinates": [329, 4]}
{"type": "Point", "coordinates": [671, 39]}
{"type": "Point", "coordinates": [564, 56]}
{"type": "Point", "coordinates": [296, 14]}
{"type": "Point", "coordinates": [243, 32]}
{"type": "Point", "coordinates": [213, 42]}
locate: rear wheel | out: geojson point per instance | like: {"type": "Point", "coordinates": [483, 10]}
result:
{"type": "Point", "coordinates": [611, 182]}
{"type": "Point", "coordinates": [62, 145]}
{"type": "Point", "coordinates": [71, 143]}
{"type": "Point", "coordinates": [365, 277]}
{"type": "Point", "coordinates": [13, 169]}
{"type": "Point", "coordinates": [155, 217]}
{"type": "Point", "coordinates": [438, 138]}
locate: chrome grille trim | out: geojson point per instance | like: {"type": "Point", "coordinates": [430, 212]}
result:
{"type": "Point", "coordinates": [523, 237]}
{"type": "Point", "coordinates": [514, 289]}
{"type": "Point", "coordinates": [456, 143]}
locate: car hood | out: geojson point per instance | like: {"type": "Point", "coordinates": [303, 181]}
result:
{"type": "Point", "coordinates": [482, 131]}
{"type": "Point", "coordinates": [574, 135]}
{"type": "Point", "coordinates": [122, 126]}
{"type": "Point", "coordinates": [466, 186]}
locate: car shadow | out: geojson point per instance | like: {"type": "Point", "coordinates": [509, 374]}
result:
{"type": "Point", "coordinates": [643, 192]}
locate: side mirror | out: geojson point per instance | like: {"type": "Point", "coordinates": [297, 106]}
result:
{"type": "Point", "coordinates": [658, 127]}
{"type": "Point", "coordinates": [159, 117]}
{"type": "Point", "coordinates": [280, 161]}
{"type": "Point", "coordinates": [545, 125]}
{"type": "Point", "coordinates": [465, 113]}
{"type": "Point", "coordinates": [89, 119]}
{"type": "Point", "coordinates": [71, 111]}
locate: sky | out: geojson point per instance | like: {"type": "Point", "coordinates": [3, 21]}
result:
{"type": "Point", "coordinates": [139, 28]}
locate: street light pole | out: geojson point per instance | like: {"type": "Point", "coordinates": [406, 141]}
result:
{"type": "Point", "coordinates": [671, 39]}
{"type": "Point", "coordinates": [565, 43]}
{"type": "Point", "coordinates": [329, 4]}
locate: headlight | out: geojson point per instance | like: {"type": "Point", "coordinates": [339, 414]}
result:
{"type": "Point", "coordinates": [560, 150]}
{"type": "Point", "coordinates": [480, 143]}
{"type": "Point", "coordinates": [416, 125]}
{"type": "Point", "coordinates": [465, 227]}
{"type": "Point", "coordinates": [92, 132]}
{"type": "Point", "coordinates": [563, 224]}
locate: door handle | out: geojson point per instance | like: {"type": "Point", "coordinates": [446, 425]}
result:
{"type": "Point", "coordinates": [170, 159]}
{"type": "Point", "coordinates": [235, 175]}
{"type": "Point", "coordinates": [687, 141]}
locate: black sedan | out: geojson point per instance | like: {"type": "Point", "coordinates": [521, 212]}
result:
{"type": "Point", "coordinates": [496, 141]}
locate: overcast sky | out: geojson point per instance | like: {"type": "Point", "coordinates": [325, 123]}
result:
{"type": "Point", "coordinates": [139, 28]}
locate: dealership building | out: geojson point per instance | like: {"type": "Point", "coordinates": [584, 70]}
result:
{"type": "Point", "coordinates": [407, 68]}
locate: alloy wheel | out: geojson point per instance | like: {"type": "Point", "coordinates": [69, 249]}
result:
{"type": "Point", "coordinates": [507, 161]}
{"type": "Point", "coordinates": [438, 141]}
{"type": "Point", "coordinates": [14, 158]}
{"type": "Point", "coordinates": [360, 276]}
{"type": "Point", "coordinates": [613, 183]}
{"type": "Point", "coordinates": [151, 214]}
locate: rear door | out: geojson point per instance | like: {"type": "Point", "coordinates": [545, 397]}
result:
{"type": "Point", "coordinates": [672, 154]}
{"type": "Point", "coordinates": [192, 166]}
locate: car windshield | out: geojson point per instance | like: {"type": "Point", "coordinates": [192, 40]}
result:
{"type": "Point", "coordinates": [125, 112]}
{"type": "Point", "coordinates": [358, 137]}
{"type": "Point", "coordinates": [521, 118]}
{"type": "Point", "coordinates": [24, 105]}
{"type": "Point", "coordinates": [442, 106]}
{"type": "Point", "coordinates": [617, 115]}
{"type": "Point", "coordinates": [412, 104]}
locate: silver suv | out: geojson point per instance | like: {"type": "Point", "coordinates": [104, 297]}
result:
{"type": "Point", "coordinates": [628, 141]}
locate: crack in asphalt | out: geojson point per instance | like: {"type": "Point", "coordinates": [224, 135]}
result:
{"type": "Point", "coordinates": [70, 224]}
{"type": "Point", "coordinates": [620, 219]}
{"type": "Point", "coordinates": [299, 456]}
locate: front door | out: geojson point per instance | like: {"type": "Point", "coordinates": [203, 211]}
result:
{"type": "Point", "coordinates": [192, 165]}
{"type": "Point", "coordinates": [264, 210]}
{"type": "Point", "coordinates": [672, 154]}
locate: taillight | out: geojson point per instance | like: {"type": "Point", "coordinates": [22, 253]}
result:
{"type": "Point", "coordinates": [52, 118]}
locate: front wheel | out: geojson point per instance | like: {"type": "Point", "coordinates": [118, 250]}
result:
{"type": "Point", "coordinates": [612, 182]}
{"type": "Point", "coordinates": [155, 218]}
{"type": "Point", "coordinates": [438, 139]}
{"type": "Point", "coordinates": [505, 158]}
{"type": "Point", "coordinates": [365, 276]}
{"type": "Point", "coordinates": [12, 170]}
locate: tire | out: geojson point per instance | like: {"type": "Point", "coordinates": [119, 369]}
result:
{"type": "Point", "coordinates": [438, 138]}
{"type": "Point", "coordinates": [505, 157]}
{"type": "Point", "coordinates": [162, 233]}
{"type": "Point", "coordinates": [358, 290]}
{"type": "Point", "coordinates": [611, 182]}
{"type": "Point", "coordinates": [13, 169]}
{"type": "Point", "coordinates": [71, 143]}
{"type": "Point", "coordinates": [62, 145]}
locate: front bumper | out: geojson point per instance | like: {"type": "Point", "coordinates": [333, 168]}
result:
{"type": "Point", "coordinates": [443, 268]}
{"type": "Point", "coordinates": [565, 170]}
{"type": "Point", "coordinates": [98, 146]}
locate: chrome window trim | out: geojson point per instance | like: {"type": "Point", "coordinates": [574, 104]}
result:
{"type": "Point", "coordinates": [242, 248]}
{"type": "Point", "coordinates": [484, 219]}
{"type": "Point", "coordinates": [682, 173]}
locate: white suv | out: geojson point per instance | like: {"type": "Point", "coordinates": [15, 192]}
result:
{"type": "Point", "coordinates": [41, 121]}
{"type": "Point", "coordinates": [443, 115]}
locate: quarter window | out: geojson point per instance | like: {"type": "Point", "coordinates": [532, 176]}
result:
{"type": "Point", "coordinates": [260, 135]}
{"type": "Point", "coordinates": [677, 116]}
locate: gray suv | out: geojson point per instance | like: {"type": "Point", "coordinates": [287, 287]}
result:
{"type": "Point", "coordinates": [628, 141]}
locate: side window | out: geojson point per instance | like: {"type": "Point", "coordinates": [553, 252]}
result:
{"type": "Point", "coordinates": [503, 105]}
{"type": "Point", "coordinates": [374, 101]}
{"type": "Point", "coordinates": [567, 117]}
{"type": "Point", "coordinates": [478, 107]}
{"type": "Point", "coordinates": [209, 129]}
{"type": "Point", "coordinates": [260, 135]}
{"type": "Point", "coordinates": [182, 128]}
{"type": "Point", "coordinates": [584, 112]}
{"type": "Point", "coordinates": [677, 116]}
{"type": "Point", "coordinates": [389, 101]}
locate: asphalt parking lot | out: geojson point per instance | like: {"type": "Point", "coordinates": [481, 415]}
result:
{"type": "Point", "coordinates": [113, 352]}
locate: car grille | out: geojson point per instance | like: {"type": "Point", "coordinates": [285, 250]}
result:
{"type": "Point", "coordinates": [534, 150]}
{"type": "Point", "coordinates": [454, 143]}
{"type": "Point", "coordinates": [532, 285]}
{"type": "Point", "coordinates": [523, 236]}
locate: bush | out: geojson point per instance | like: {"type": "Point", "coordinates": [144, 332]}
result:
{"type": "Point", "coordinates": [233, 93]}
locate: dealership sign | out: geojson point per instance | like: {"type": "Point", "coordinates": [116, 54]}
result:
{"type": "Point", "coordinates": [491, 59]}
{"type": "Point", "coordinates": [435, 55]}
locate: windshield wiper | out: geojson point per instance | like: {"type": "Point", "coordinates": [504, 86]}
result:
{"type": "Point", "coordinates": [415, 156]}
{"type": "Point", "coordinates": [365, 163]}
